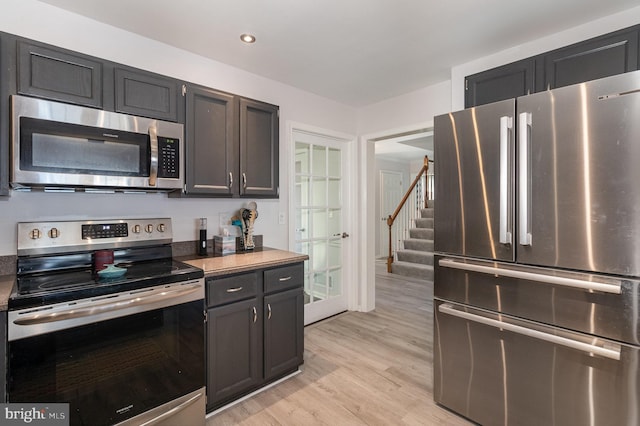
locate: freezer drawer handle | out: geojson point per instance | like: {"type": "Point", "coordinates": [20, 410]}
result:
{"type": "Point", "coordinates": [615, 288]}
{"type": "Point", "coordinates": [613, 352]}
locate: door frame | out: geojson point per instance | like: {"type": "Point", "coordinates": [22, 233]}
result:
{"type": "Point", "coordinates": [350, 245]}
{"type": "Point", "coordinates": [367, 195]}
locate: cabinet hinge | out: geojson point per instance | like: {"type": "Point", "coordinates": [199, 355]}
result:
{"type": "Point", "coordinates": [184, 89]}
{"type": "Point", "coordinates": [206, 316]}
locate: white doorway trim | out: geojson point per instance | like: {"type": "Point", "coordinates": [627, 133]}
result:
{"type": "Point", "coordinates": [350, 146]}
{"type": "Point", "coordinates": [366, 157]}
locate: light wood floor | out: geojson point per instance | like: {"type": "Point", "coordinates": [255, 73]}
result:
{"type": "Point", "coordinates": [371, 368]}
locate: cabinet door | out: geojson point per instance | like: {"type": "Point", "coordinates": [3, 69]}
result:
{"type": "Point", "coordinates": [604, 56]}
{"type": "Point", "coordinates": [59, 74]}
{"type": "Point", "coordinates": [211, 142]}
{"type": "Point", "coordinates": [259, 133]}
{"type": "Point", "coordinates": [497, 84]}
{"type": "Point", "coordinates": [7, 87]}
{"type": "Point", "coordinates": [146, 94]}
{"type": "Point", "coordinates": [233, 350]}
{"type": "Point", "coordinates": [283, 332]}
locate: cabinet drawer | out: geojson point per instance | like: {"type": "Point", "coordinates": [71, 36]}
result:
{"type": "Point", "coordinates": [283, 278]}
{"type": "Point", "coordinates": [231, 289]}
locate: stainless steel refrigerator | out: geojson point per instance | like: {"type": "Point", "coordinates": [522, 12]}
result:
{"type": "Point", "coordinates": [537, 270]}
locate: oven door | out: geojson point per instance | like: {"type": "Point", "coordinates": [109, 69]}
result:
{"type": "Point", "coordinates": [111, 358]}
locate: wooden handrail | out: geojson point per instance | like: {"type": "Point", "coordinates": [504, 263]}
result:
{"type": "Point", "coordinates": [392, 218]}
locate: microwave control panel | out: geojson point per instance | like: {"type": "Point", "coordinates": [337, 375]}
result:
{"type": "Point", "coordinates": [168, 158]}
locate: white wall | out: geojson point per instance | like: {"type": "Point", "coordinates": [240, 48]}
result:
{"type": "Point", "coordinates": [591, 29]}
{"type": "Point", "coordinates": [403, 167]}
{"type": "Point", "coordinates": [39, 21]}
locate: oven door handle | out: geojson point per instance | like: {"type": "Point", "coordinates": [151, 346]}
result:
{"type": "Point", "coordinates": [610, 350]}
{"type": "Point", "coordinates": [173, 411]}
{"type": "Point", "coordinates": [109, 306]}
{"type": "Point", "coordinates": [153, 167]}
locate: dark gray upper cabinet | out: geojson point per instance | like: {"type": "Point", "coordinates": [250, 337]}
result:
{"type": "Point", "coordinates": [232, 145]}
{"type": "Point", "coordinates": [607, 55]}
{"type": "Point", "coordinates": [210, 134]}
{"type": "Point", "coordinates": [604, 56]}
{"type": "Point", "coordinates": [259, 151]}
{"type": "Point", "coordinates": [7, 80]}
{"type": "Point", "coordinates": [146, 94]}
{"type": "Point", "coordinates": [506, 82]}
{"type": "Point", "coordinates": [59, 74]}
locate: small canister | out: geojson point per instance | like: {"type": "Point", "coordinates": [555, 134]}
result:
{"type": "Point", "coordinates": [102, 258]}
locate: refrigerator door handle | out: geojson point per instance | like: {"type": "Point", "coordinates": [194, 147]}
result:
{"type": "Point", "coordinates": [506, 124]}
{"type": "Point", "coordinates": [524, 126]}
{"type": "Point", "coordinates": [609, 350]}
{"type": "Point", "coordinates": [611, 286]}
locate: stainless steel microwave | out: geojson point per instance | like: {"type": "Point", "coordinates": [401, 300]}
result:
{"type": "Point", "coordinates": [62, 146]}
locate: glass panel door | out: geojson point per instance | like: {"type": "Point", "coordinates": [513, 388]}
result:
{"type": "Point", "coordinates": [320, 230]}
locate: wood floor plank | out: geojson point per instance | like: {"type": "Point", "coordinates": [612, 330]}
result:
{"type": "Point", "coordinates": [371, 368]}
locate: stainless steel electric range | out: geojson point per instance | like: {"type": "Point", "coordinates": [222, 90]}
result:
{"type": "Point", "coordinates": [104, 319]}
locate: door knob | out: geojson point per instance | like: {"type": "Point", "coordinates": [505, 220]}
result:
{"type": "Point", "coordinates": [345, 235]}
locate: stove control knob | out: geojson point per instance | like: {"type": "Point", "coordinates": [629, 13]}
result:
{"type": "Point", "coordinates": [162, 227]}
{"type": "Point", "coordinates": [54, 233]}
{"type": "Point", "coordinates": [149, 228]}
{"type": "Point", "coordinates": [35, 234]}
{"type": "Point", "coordinates": [136, 229]}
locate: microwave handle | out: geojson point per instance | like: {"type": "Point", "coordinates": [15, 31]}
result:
{"type": "Point", "coordinates": [153, 169]}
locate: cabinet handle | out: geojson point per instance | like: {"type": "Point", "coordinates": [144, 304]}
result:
{"type": "Point", "coordinates": [244, 180]}
{"type": "Point", "coordinates": [269, 310]}
{"type": "Point", "coordinates": [233, 290]}
{"type": "Point", "coordinates": [255, 314]}
{"type": "Point", "coordinates": [285, 278]}
{"type": "Point", "coordinates": [230, 180]}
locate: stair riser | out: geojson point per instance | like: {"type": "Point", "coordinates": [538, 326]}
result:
{"type": "Point", "coordinates": [427, 213]}
{"type": "Point", "coordinates": [408, 271]}
{"type": "Point", "coordinates": [424, 223]}
{"type": "Point", "coordinates": [420, 245]}
{"type": "Point", "coordinates": [421, 233]}
{"type": "Point", "coordinates": [423, 258]}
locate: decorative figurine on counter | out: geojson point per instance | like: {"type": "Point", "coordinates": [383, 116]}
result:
{"type": "Point", "coordinates": [247, 217]}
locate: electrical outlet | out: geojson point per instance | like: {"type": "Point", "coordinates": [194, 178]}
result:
{"type": "Point", "coordinates": [281, 218]}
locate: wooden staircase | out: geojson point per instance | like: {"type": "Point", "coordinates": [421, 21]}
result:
{"type": "Point", "coordinates": [416, 258]}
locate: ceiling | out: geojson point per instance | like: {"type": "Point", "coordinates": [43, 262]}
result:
{"type": "Point", "coordinates": [356, 52]}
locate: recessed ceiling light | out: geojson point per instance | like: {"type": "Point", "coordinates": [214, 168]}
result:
{"type": "Point", "coordinates": [248, 38]}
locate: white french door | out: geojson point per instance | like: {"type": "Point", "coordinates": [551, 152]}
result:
{"type": "Point", "coordinates": [322, 221]}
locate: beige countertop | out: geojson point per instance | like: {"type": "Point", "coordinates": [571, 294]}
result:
{"type": "Point", "coordinates": [6, 285]}
{"type": "Point", "coordinates": [245, 261]}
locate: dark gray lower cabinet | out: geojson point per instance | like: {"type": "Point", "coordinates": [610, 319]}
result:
{"type": "Point", "coordinates": [233, 350]}
{"type": "Point", "coordinates": [255, 331]}
{"type": "Point", "coordinates": [283, 332]}
{"type": "Point", "coordinates": [3, 356]}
